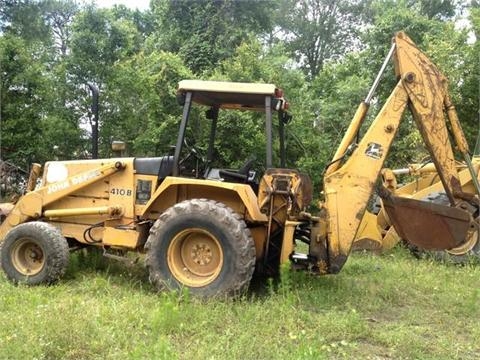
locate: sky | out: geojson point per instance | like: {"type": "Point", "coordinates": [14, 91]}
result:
{"type": "Point", "coordinates": [139, 4]}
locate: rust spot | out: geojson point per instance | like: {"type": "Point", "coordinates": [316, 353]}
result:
{"type": "Point", "coordinates": [389, 128]}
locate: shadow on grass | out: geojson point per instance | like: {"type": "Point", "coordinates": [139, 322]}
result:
{"type": "Point", "coordinates": [90, 262]}
{"type": "Point", "coordinates": [300, 284]}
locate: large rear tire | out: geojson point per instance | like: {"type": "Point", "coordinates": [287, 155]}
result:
{"type": "Point", "coordinates": [201, 245]}
{"type": "Point", "coordinates": [34, 253]}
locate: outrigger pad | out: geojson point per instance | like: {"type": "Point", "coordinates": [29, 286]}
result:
{"type": "Point", "coordinates": [427, 225]}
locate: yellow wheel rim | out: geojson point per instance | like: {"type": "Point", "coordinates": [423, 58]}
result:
{"type": "Point", "coordinates": [195, 257]}
{"type": "Point", "coordinates": [27, 257]}
{"type": "Point", "coordinates": [472, 238]}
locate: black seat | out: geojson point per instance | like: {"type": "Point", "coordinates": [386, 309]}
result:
{"type": "Point", "coordinates": [161, 166]}
{"type": "Point", "coordinates": [240, 175]}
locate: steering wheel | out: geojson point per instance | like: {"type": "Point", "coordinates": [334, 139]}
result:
{"type": "Point", "coordinates": [194, 158]}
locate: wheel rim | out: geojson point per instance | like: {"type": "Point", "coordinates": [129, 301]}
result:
{"type": "Point", "coordinates": [195, 257]}
{"type": "Point", "coordinates": [472, 238]}
{"type": "Point", "coordinates": [27, 257]}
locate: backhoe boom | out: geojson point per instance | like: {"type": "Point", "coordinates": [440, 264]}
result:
{"type": "Point", "coordinates": [348, 185]}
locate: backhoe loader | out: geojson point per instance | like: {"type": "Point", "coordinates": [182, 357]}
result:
{"type": "Point", "coordinates": [209, 230]}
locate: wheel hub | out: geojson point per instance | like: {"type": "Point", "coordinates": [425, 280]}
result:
{"type": "Point", "coordinates": [201, 254]}
{"type": "Point", "coordinates": [27, 257]}
{"type": "Point", "coordinates": [195, 257]}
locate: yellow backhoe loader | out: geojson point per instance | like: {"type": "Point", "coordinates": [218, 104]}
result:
{"type": "Point", "coordinates": [209, 230]}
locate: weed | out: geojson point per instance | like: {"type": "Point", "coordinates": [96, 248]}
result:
{"type": "Point", "coordinates": [390, 306]}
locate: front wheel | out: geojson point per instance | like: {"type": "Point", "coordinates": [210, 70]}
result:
{"type": "Point", "coordinates": [34, 253]}
{"type": "Point", "coordinates": [202, 245]}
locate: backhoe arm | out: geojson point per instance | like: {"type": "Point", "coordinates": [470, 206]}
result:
{"type": "Point", "coordinates": [429, 99]}
{"type": "Point", "coordinates": [348, 189]}
{"type": "Point", "coordinates": [349, 184]}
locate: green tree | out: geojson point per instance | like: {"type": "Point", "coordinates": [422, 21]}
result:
{"type": "Point", "coordinates": [316, 31]}
{"type": "Point", "coordinates": [34, 99]}
{"type": "Point", "coordinates": [468, 103]}
{"type": "Point", "coordinates": [253, 62]}
{"type": "Point", "coordinates": [99, 41]}
{"type": "Point", "coordinates": [143, 110]}
{"type": "Point", "coordinates": [59, 16]}
{"type": "Point", "coordinates": [25, 19]}
{"type": "Point", "coordinates": [205, 32]}
{"type": "Point", "coordinates": [436, 35]}
{"type": "Point", "coordinates": [22, 93]}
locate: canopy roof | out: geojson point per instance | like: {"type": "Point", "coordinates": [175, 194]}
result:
{"type": "Point", "coordinates": [228, 95]}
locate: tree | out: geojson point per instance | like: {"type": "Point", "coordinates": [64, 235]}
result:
{"type": "Point", "coordinates": [59, 16]}
{"type": "Point", "coordinates": [22, 93]}
{"type": "Point", "coordinates": [99, 41]}
{"type": "Point", "coordinates": [468, 103]}
{"type": "Point", "coordinates": [316, 31]}
{"type": "Point", "coordinates": [436, 35]}
{"type": "Point", "coordinates": [254, 63]}
{"type": "Point", "coordinates": [436, 9]}
{"type": "Point", "coordinates": [205, 32]}
{"type": "Point", "coordinates": [143, 110]}
{"type": "Point", "coordinates": [25, 19]}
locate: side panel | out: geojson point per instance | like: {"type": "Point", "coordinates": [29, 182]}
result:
{"type": "Point", "coordinates": [114, 190]}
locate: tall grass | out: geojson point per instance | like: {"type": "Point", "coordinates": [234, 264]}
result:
{"type": "Point", "coordinates": [379, 307]}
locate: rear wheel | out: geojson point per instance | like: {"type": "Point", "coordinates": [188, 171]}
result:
{"type": "Point", "coordinates": [201, 245]}
{"type": "Point", "coordinates": [34, 253]}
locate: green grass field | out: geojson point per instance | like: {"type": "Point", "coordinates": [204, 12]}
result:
{"type": "Point", "coordinates": [379, 307]}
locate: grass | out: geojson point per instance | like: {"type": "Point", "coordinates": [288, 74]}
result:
{"type": "Point", "coordinates": [379, 307]}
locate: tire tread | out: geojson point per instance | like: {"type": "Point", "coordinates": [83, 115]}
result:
{"type": "Point", "coordinates": [243, 245]}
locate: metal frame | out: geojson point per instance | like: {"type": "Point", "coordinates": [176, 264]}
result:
{"type": "Point", "coordinates": [189, 96]}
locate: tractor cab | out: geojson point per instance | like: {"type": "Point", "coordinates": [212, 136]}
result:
{"type": "Point", "coordinates": [217, 96]}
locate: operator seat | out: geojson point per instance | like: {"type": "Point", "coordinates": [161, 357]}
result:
{"type": "Point", "coordinates": [161, 166]}
{"type": "Point", "coordinates": [241, 175]}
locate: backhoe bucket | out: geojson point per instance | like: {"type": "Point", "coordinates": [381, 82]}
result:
{"type": "Point", "coordinates": [427, 225]}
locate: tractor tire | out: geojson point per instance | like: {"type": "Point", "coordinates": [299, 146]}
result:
{"type": "Point", "coordinates": [201, 245]}
{"type": "Point", "coordinates": [460, 257]}
{"type": "Point", "coordinates": [34, 253]}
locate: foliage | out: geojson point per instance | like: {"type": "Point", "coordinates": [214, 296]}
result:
{"type": "Point", "coordinates": [143, 111]}
{"type": "Point", "coordinates": [206, 32]}
{"type": "Point", "coordinates": [253, 63]}
{"type": "Point", "coordinates": [23, 88]}
{"type": "Point", "coordinates": [98, 41]}
{"type": "Point", "coordinates": [468, 104]}
{"type": "Point", "coordinates": [432, 30]}
{"type": "Point", "coordinates": [317, 31]}
{"type": "Point", "coordinates": [390, 306]}
{"type": "Point", "coordinates": [324, 54]}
